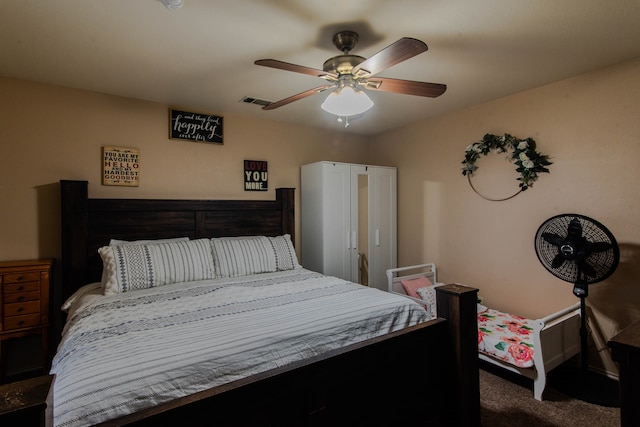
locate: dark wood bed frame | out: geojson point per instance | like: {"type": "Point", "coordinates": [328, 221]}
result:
{"type": "Point", "coordinates": [424, 375]}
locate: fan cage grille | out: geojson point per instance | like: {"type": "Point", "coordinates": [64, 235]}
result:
{"type": "Point", "coordinates": [603, 263]}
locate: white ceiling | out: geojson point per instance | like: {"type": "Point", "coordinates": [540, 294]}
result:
{"type": "Point", "coordinates": [201, 55]}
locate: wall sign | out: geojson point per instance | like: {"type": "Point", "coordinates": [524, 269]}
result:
{"type": "Point", "coordinates": [255, 175]}
{"type": "Point", "coordinates": [121, 166]}
{"type": "Point", "coordinates": [195, 126]}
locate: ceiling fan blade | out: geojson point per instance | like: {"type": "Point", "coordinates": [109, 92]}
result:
{"type": "Point", "coordinates": [296, 97]}
{"type": "Point", "coordinates": [407, 87]}
{"type": "Point", "coordinates": [553, 238]}
{"type": "Point", "coordinates": [280, 65]}
{"type": "Point", "coordinates": [393, 54]}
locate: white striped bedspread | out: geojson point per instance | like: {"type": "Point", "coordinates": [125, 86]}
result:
{"type": "Point", "coordinates": [121, 353]}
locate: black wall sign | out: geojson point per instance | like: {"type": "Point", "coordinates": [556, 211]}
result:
{"type": "Point", "coordinates": [255, 175]}
{"type": "Point", "coordinates": [195, 126]}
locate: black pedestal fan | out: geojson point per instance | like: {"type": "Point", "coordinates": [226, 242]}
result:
{"type": "Point", "coordinates": [579, 250]}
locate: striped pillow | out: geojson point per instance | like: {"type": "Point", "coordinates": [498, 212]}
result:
{"type": "Point", "coordinates": [134, 267]}
{"type": "Point", "coordinates": [114, 242]}
{"type": "Point", "coordinates": [244, 255]}
{"type": "Point", "coordinates": [241, 256]}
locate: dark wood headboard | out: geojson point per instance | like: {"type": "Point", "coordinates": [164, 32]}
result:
{"type": "Point", "coordinates": [88, 224]}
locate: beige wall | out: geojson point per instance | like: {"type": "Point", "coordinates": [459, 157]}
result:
{"type": "Point", "coordinates": [49, 133]}
{"type": "Point", "coordinates": [590, 126]}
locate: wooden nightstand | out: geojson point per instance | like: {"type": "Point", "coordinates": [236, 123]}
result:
{"type": "Point", "coordinates": [24, 303]}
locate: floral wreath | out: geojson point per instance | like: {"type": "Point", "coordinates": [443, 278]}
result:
{"type": "Point", "coordinates": [529, 162]}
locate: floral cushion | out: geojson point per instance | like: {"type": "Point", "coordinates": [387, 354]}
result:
{"type": "Point", "coordinates": [506, 337]}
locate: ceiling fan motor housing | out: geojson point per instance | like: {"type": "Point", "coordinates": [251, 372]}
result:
{"type": "Point", "coordinates": [342, 64]}
{"type": "Point", "coordinates": [345, 41]}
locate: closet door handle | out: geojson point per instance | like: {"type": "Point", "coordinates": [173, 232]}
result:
{"type": "Point", "coordinates": [348, 240]}
{"type": "Point", "coordinates": [354, 240]}
{"type": "Point", "coordinates": [377, 237]}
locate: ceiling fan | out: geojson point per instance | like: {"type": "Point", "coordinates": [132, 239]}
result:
{"type": "Point", "coordinates": [356, 73]}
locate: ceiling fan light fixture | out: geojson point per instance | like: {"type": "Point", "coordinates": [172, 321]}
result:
{"type": "Point", "coordinates": [173, 4]}
{"type": "Point", "coordinates": [347, 101]}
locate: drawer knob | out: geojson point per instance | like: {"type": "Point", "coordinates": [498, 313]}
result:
{"type": "Point", "coordinates": [20, 309]}
{"type": "Point", "coordinates": [20, 278]}
{"type": "Point", "coordinates": [20, 323]}
{"type": "Point", "coordinates": [21, 288]}
{"type": "Point", "coordinates": [20, 298]}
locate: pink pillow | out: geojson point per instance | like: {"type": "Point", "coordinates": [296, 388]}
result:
{"type": "Point", "coordinates": [411, 285]}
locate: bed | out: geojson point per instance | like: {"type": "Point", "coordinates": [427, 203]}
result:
{"type": "Point", "coordinates": [529, 347]}
{"type": "Point", "coordinates": [277, 344]}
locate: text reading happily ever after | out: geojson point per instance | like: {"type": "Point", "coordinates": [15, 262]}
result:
{"type": "Point", "coordinates": [195, 127]}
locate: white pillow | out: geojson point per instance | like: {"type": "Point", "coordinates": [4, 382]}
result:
{"type": "Point", "coordinates": [286, 258]}
{"type": "Point", "coordinates": [235, 257]}
{"type": "Point", "coordinates": [244, 255]}
{"type": "Point", "coordinates": [83, 290]}
{"type": "Point", "coordinates": [141, 266]}
{"type": "Point", "coordinates": [428, 293]}
{"type": "Point", "coordinates": [113, 242]}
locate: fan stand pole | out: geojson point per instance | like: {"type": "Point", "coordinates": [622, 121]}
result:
{"type": "Point", "coordinates": [583, 335]}
{"type": "Point", "coordinates": [581, 290]}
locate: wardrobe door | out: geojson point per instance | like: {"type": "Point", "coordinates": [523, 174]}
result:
{"type": "Point", "coordinates": [325, 218]}
{"type": "Point", "coordinates": [383, 253]}
{"type": "Point", "coordinates": [360, 243]}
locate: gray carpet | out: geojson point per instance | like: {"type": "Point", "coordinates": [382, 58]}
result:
{"type": "Point", "coordinates": [508, 401]}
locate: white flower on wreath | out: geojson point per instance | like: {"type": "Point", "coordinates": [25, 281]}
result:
{"type": "Point", "coordinates": [528, 161]}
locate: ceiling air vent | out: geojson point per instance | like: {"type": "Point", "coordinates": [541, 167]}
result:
{"type": "Point", "coordinates": [250, 100]}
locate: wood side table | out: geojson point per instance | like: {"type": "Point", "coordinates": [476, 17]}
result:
{"type": "Point", "coordinates": [24, 304]}
{"type": "Point", "coordinates": [625, 350]}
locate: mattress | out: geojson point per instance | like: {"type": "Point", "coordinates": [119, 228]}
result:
{"type": "Point", "coordinates": [124, 352]}
{"type": "Point", "coordinates": [506, 337]}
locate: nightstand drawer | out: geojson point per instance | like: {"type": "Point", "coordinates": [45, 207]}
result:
{"type": "Point", "coordinates": [20, 308]}
{"type": "Point", "coordinates": [21, 296]}
{"type": "Point", "coordinates": [21, 287]}
{"type": "Point", "coordinates": [27, 276]}
{"type": "Point", "coordinates": [25, 286]}
{"type": "Point", "coordinates": [18, 322]}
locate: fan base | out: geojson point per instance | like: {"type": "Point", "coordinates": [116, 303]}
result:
{"type": "Point", "coordinates": [585, 385]}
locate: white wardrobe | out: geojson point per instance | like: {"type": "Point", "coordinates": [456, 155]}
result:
{"type": "Point", "coordinates": [349, 221]}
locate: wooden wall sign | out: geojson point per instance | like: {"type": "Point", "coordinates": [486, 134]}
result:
{"type": "Point", "coordinates": [195, 126]}
{"type": "Point", "coordinates": [121, 166]}
{"type": "Point", "coordinates": [255, 175]}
